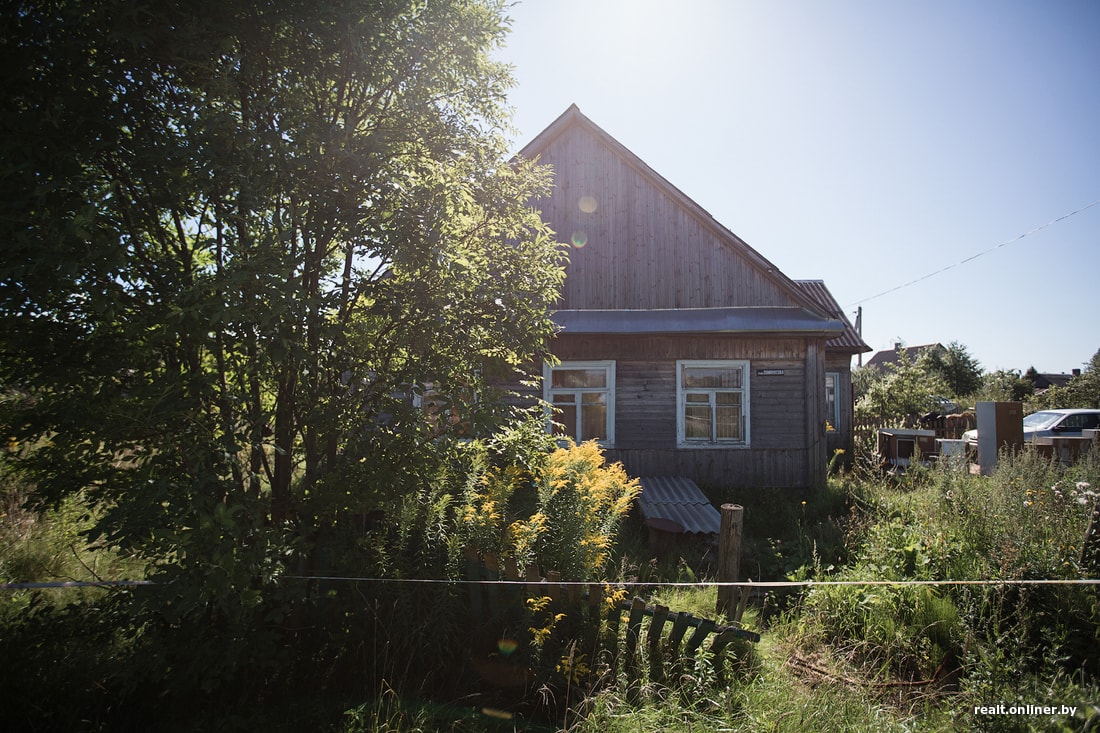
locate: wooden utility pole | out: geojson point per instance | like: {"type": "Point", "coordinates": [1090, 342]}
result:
{"type": "Point", "coordinates": [729, 560]}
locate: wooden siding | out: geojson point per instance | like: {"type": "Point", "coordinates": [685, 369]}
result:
{"type": "Point", "coordinates": [730, 469]}
{"type": "Point", "coordinates": [645, 246]}
{"type": "Point", "coordinates": [786, 433]}
{"type": "Point", "coordinates": [814, 403]}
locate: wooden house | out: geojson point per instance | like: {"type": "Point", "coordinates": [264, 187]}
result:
{"type": "Point", "coordinates": [682, 349]}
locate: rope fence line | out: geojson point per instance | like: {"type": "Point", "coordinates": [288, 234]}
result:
{"type": "Point", "coordinates": [574, 583]}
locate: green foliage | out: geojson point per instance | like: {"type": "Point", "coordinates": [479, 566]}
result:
{"type": "Point", "coordinates": [581, 502]}
{"type": "Point", "coordinates": [1026, 521]}
{"type": "Point", "coordinates": [234, 250]}
{"type": "Point", "coordinates": [239, 239]}
{"type": "Point", "coordinates": [902, 389]}
{"type": "Point", "coordinates": [960, 372]}
{"type": "Point", "coordinates": [1082, 390]}
{"type": "Point", "coordinates": [1005, 385]}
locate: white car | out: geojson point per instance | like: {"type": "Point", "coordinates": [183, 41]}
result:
{"type": "Point", "coordinates": [1048, 423]}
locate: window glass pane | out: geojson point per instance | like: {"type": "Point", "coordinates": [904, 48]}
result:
{"type": "Point", "coordinates": [697, 397]}
{"type": "Point", "coordinates": [728, 377]}
{"type": "Point", "coordinates": [567, 416]}
{"type": "Point", "coordinates": [832, 409]}
{"type": "Point", "coordinates": [566, 398]}
{"type": "Point", "coordinates": [574, 378]}
{"type": "Point", "coordinates": [697, 422]}
{"type": "Point", "coordinates": [593, 420]}
{"type": "Point", "coordinates": [728, 423]}
{"type": "Point", "coordinates": [727, 398]}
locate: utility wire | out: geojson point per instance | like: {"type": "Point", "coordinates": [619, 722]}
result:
{"type": "Point", "coordinates": [613, 583]}
{"type": "Point", "coordinates": [976, 256]}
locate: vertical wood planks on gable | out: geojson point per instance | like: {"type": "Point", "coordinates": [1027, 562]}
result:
{"type": "Point", "coordinates": [645, 244]}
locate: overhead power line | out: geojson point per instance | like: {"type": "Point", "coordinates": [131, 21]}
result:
{"type": "Point", "coordinates": [976, 256]}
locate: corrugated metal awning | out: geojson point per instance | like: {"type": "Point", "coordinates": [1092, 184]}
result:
{"type": "Point", "coordinates": [696, 320]}
{"type": "Point", "coordinates": [680, 500]}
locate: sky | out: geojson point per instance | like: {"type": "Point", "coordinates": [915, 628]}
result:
{"type": "Point", "coordinates": [874, 144]}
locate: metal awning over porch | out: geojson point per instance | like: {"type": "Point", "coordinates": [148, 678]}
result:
{"type": "Point", "coordinates": [680, 500]}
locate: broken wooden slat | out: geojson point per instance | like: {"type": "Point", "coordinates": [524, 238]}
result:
{"type": "Point", "coordinates": [633, 633]}
{"type": "Point", "coordinates": [553, 584]}
{"type": "Point", "coordinates": [701, 632]}
{"type": "Point", "coordinates": [656, 659]}
{"type": "Point", "coordinates": [679, 627]}
{"type": "Point", "coordinates": [695, 621]}
{"type": "Point", "coordinates": [595, 596]}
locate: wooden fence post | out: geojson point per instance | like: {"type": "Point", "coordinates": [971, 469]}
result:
{"type": "Point", "coordinates": [729, 559]}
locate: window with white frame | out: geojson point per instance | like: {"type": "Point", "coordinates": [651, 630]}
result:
{"type": "Point", "coordinates": [832, 404]}
{"type": "Point", "coordinates": [582, 394]}
{"type": "Point", "coordinates": [447, 411]}
{"type": "Point", "coordinates": [712, 399]}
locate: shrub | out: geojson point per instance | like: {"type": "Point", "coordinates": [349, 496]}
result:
{"type": "Point", "coordinates": [581, 502]}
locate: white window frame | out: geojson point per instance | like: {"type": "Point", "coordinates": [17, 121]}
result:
{"type": "Point", "coordinates": [548, 392]}
{"type": "Point", "coordinates": [443, 421]}
{"type": "Point", "coordinates": [833, 414]}
{"type": "Point", "coordinates": [681, 403]}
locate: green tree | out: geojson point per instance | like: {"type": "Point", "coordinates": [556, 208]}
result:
{"type": "Point", "coordinates": [236, 237]}
{"type": "Point", "coordinates": [902, 389]}
{"type": "Point", "coordinates": [961, 372]}
{"type": "Point", "coordinates": [1082, 390]}
{"type": "Point", "coordinates": [1006, 385]}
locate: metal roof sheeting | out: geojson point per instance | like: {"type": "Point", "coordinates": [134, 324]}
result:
{"type": "Point", "coordinates": [696, 320]}
{"type": "Point", "coordinates": [850, 340]}
{"type": "Point", "coordinates": [679, 499]}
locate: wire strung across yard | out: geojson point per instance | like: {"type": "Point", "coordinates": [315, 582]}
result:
{"type": "Point", "coordinates": [575, 583]}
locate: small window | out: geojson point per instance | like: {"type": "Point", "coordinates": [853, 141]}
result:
{"type": "Point", "coordinates": [713, 403]}
{"type": "Point", "coordinates": [832, 404]}
{"type": "Point", "coordinates": [582, 395]}
{"type": "Point", "coordinates": [447, 410]}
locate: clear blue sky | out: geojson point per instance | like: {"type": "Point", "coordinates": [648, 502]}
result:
{"type": "Point", "coordinates": [867, 143]}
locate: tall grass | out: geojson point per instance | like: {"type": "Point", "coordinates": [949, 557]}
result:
{"type": "Point", "coordinates": [395, 657]}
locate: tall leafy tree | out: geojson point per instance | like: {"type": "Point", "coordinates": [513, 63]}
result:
{"type": "Point", "coordinates": [236, 237]}
{"type": "Point", "coordinates": [1006, 385]}
{"type": "Point", "coordinates": [960, 372]}
{"type": "Point", "coordinates": [901, 390]}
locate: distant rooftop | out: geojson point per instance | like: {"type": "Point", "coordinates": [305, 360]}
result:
{"type": "Point", "coordinates": [892, 356]}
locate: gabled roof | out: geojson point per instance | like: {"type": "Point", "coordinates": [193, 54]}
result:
{"type": "Point", "coordinates": [1046, 380]}
{"type": "Point", "coordinates": [573, 118]}
{"type": "Point", "coordinates": [849, 341]}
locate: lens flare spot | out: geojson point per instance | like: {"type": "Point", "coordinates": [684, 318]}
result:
{"type": "Point", "coordinates": [587, 204]}
{"type": "Point", "coordinates": [579, 239]}
{"type": "Point", "coordinates": [507, 647]}
{"type": "Point", "coordinates": [494, 713]}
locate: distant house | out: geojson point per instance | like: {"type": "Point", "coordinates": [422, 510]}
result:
{"type": "Point", "coordinates": [893, 356]}
{"type": "Point", "coordinates": [682, 349]}
{"type": "Point", "coordinates": [1046, 381]}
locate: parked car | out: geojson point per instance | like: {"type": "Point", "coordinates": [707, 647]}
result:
{"type": "Point", "coordinates": [1048, 423]}
{"type": "Point", "coordinates": [944, 406]}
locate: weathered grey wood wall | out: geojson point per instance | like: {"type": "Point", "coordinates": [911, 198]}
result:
{"type": "Point", "coordinates": [644, 245]}
{"type": "Point", "coordinates": [785, 422]}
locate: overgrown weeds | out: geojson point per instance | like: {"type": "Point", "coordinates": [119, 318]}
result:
{"type": "Point", "coordinates": [899, 646]}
